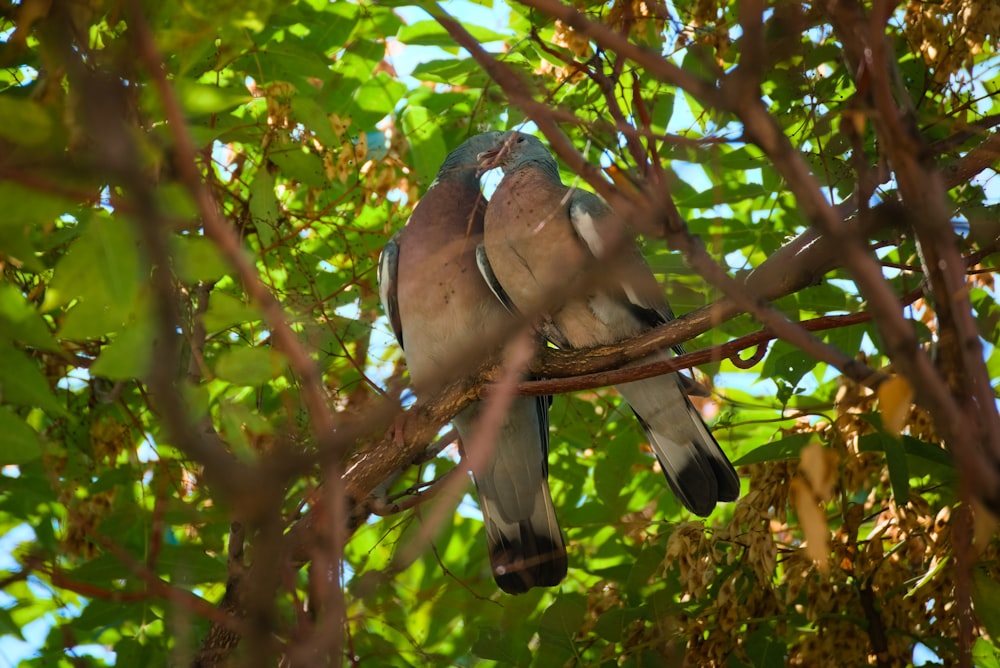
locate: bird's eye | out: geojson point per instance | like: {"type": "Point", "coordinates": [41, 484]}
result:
{"type": "Point", "coordinates": [520, 139]}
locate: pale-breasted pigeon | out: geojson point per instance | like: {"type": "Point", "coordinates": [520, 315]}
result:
{"type": "Point", "coordinates": [439, 306]}
{"type": "Point", "coordinates": [540, 239]}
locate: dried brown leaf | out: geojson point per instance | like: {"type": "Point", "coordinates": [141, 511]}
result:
{"type": "Point", "coordinates": [894, 398]}
{"type": "Point", "coordinates": [813, 522]}
{"type": "Point", "coordinates": [819, 465]}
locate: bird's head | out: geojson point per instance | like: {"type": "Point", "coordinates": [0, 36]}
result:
{"type": "Point", "coordinates": [463, 162]}
{"type": "Point", "coordinates": [513, 150]}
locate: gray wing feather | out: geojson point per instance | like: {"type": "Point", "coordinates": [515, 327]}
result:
{"type": "Point", "coordinates": [594, 224]}
{"type": "Point", "coordinates": [388, 269]}
{"type": "Point", "coordinates": [486, 270]}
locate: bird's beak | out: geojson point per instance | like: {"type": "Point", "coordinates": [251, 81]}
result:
{"type": "Point", "coordinates": [489, 159]}
{"type": "Point", "coordinates": [495, 156]}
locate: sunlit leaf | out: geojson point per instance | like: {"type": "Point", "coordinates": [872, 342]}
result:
{"type": "Point", "coordinates": [225, 311]}
{"type": "Point", "coordinates": [248, 366]}
{"type": "Point", "coordinates": [894, 397]}
{"type": "Point", "coordinates": [426, 143]}
{"type": "Point", "coordinates": [197, 259]}
{"type": "Point", "coordinates": [20, 321]}
{"type": "Point", "coordinates": [986, 594]}
{"type": "Point", "coordinates": [787, 363]}
{"type": "Point", "coordinates": [431, 33]}
{"type": "Point", "coordinates": [200, 98]}
{"type": "Point", "coordinates": [789, 447]}
{"type": "Point", "coordinates": [145, 483]}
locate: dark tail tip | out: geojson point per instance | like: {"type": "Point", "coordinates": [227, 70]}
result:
{"type": "Point", "coordinates": [535, 561]}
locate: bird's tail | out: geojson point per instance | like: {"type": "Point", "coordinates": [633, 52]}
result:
{"type": "Point", "coordinates": [696, 468]}
{"type": "Point", "coordinates": [525, 544]}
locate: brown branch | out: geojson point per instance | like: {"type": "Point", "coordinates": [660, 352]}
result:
{"type": "Point", "coordinates": [228, 243]}
{"type": "Point", "coordinates": [961, 400]}
{"type": "Point", "coordinates": [104, 110]}
{"type": "Point", "coordinates": [876, 626]}
{"type": "Point", "coordinates": [414, 496]}
{"type": "Point", "coordinates": [521, 95]}
{"type": "Point", "coordinates": [984, 156]}
{"type": "Point", "coordinates": [267, 564]}
{"type": "Point", "coordinates": [651, 62]}
{"type": "Point", "coordinates": [729, 350]}
{"type": "Point", "coordinates": [155, 587]}
{"type": "Point", "coordinates": [656, 210]}
{"type": "Point", "coordinates": [738, 96]}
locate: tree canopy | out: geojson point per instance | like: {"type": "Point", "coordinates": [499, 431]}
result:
{"type": "Point", "coordinates": [210, 452]}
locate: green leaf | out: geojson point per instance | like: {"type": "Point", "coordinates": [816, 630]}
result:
{"type": "Point", "coordinates": [928, 451]}
{"type": "Point", "coordinates": [25, 122]}
{"type": "Point", "coordinates": [249, 366]}
{"type": "Point", "coordinates": [426, 143]}
{"type": "Point", "coordinates": [786, 448]}
{"type": "Point", "coordinates": [731, 192]}
{"type": "Point", "coordinates": [663, 109]}
{"type": "Point", "coordinates": [286, 61]}
{"type": "Point", "coordinates": [611, 477]}
{"type": "Point", "coordinates": [899, 471]}
{"type": "Point", "coordinates": [225, 311]}
{"type": "Point", "coordinates": [764, 650]}
{"type": "Point", "coordinates": [824, 298]}
{"type": "Point", "coordinates": [985, 654]}
{"type": "Point", "coordinates": [197, 259]}
{"type": "Point", "coordinates": [130, 353]}
{"type": "Point", "coordinates": [493, 644]}
{"type": "Point", "coordinates": [314, 117]}
{"type": "Point", "coordinates": [19, 250]}
{"type": "Point", "coordinates": [188, 564]}
{"type": "Point", "coordinates": [98, 614]}
{"type": "Point", "coordinates": [27, 221]}
{"type": "Point", "coordinates": [646, 565]}
{"type": "Point", "coordinates": [19, 443]}
{"type": "Point", "coordinates": [101, 270]}
{"type": "Point", "coordinates": [376, 98]}
{"type": "Point", "coordinates": [787, 362]}
{"type": "Point", "coordinates": [199, 99]}
{"type": "Point", "coordinates": [431, 33]}
{"type": "Point", "coordinates": [8, 627]}
{"type": "Point", "coordinates": [23, 384]}
{"type": "Point", "coordinates": [557, 628]}
{"type": "Point", "coordinates": [19, 321]}
{"type": "Point", "coordinates": [176, 199]}
{"type": "Point", "coordinates": [295, 163]}
{"type": "Point", "coordinates": [450, 71]}
{"type": "Point", "coordinates": [264, 203]}
{"type": "Point", "coordinates": [130, 652]}
{"type": "Point", "coordinates": [986, 599]}
{"type": "Point", "coordinates": [611, 624]}
{"type": "Point", "coordinates": [846, 339]}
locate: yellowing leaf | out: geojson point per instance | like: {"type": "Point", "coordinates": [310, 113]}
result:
{"type": "Point", "coordinates": [819, 465]}
{"type": "Point", "coordinates": [813, 522]}
{"type": "Point", "coordinates": [984, 526]}
{"type": "Point", "coordinates": [894, 398]}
